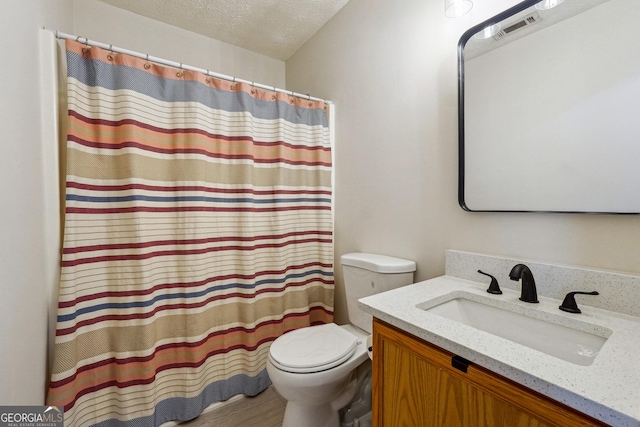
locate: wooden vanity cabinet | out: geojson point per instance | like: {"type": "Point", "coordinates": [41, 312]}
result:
{"type": "Point", "coordinates": [415, 385]}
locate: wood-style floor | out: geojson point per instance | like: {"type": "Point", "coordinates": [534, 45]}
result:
{"type": "Point", "coordinates": [263, 410]}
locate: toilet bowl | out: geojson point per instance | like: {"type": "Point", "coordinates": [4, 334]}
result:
{"type": "Point", "coordinates": [313, 368]}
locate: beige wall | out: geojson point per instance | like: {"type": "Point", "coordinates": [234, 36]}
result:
{"type": "Point", "coordinates": [24, 291]}
{"type": "Point", "coordinates": [391, 70]}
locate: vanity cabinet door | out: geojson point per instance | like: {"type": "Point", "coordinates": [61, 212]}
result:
{"type": "Point", "coordinates": [415, 385]}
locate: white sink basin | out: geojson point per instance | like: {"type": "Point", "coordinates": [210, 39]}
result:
{"type": "Point", "coordinates": [569, 344]}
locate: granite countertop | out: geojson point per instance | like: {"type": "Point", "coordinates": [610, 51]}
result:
{"type": "Point", "coordinates": [607, 390]}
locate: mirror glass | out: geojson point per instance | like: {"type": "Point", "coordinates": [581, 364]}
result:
{"type": "Point", "coordinates": [549, 109]}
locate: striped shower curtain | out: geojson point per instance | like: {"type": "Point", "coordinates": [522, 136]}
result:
{"type": "Point", "coordinates": [198, 229]}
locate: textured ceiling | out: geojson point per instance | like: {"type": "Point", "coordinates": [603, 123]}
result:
{"type": "Point", "coordinates": [275, 28]}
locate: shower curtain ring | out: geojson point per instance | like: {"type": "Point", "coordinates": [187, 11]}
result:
{"type": "Point", "coordinates": [85, 49]}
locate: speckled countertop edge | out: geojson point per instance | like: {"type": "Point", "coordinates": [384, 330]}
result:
{"type": "Point", "coordinates": [608, 389]}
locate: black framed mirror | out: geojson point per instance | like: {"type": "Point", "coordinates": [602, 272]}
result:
{"type": "Point", "coordinates": [549, 109]}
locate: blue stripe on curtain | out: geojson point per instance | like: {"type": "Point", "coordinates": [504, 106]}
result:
{"type": "Point", "coordinates": [117, 77]}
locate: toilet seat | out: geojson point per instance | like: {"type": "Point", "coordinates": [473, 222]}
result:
{"type": "Point", "coordinates": [313, 349]}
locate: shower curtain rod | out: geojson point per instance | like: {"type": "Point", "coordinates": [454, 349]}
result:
{"type": "Point", "coordinates": [174, 64]}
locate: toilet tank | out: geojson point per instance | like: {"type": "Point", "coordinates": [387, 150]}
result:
{"type": "Point", "coordinates": [367, 274]}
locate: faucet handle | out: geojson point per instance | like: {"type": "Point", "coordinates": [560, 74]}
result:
{"type": "Point", "coordinates": [494, 288]}
{"type": "Point", "coordinates": [569, 304]}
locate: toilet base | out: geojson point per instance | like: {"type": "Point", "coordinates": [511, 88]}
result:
{"type": "Point", "coordinates": [296, 415]}
{"type": "Point", "coordinates": [327, 415]}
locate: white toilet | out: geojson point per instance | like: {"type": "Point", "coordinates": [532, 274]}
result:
{"type": "Point", "coordinates": [312, 367]}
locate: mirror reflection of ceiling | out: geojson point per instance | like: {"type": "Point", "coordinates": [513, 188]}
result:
{"type": "Point", "coordinates": [544, 19]}
{"type": "Point", "coordinates": [274, 28]}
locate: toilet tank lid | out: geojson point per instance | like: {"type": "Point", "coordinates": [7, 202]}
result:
{"type": "Point", "coordinates": [378, 263]}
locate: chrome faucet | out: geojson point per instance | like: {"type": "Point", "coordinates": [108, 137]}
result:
{"type": "Point", "coordinates": [528, 293]}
